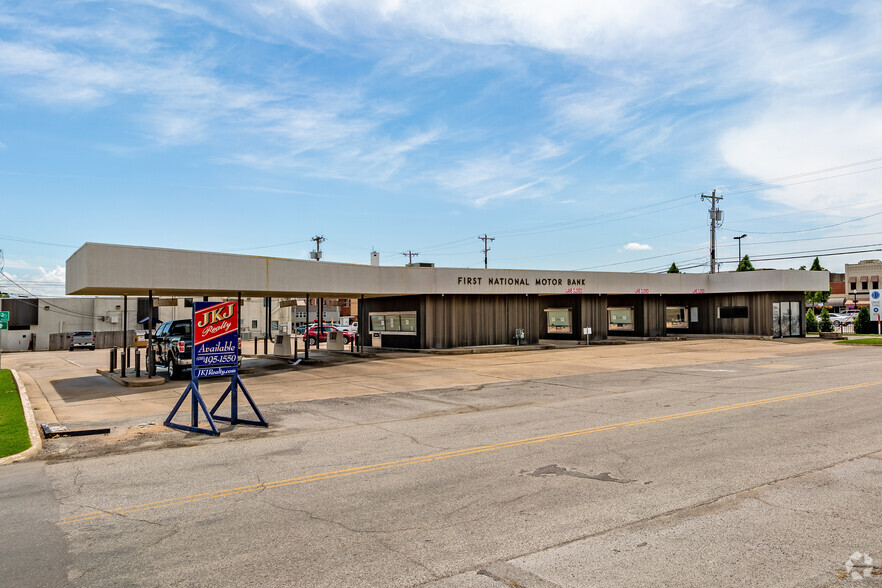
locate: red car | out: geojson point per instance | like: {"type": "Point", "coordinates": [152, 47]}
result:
{"type": "Point", "coordinates": [313, 334]}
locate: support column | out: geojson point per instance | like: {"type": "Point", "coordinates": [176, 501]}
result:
{"type": "Point", "coordinates": [125, 326]}
{"type": "Point", "coordinates": [266, 302]}
{"type": "Point", "coordinates": [306, 332]}
{"type": "Point", "coordinates": [151, 364]}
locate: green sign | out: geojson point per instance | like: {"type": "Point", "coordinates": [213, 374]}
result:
{"type": "Point", "coordinates": [4, 315]}
{"type": "Point", "coordinates": [4, 326]}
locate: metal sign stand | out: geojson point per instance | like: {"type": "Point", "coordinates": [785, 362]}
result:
{"type": "Point", "coordinates": [196, 403]}
{"type": "Point", "coordinates": [232, 391]}
{"type": "Point", "coordinates": [214, 353]}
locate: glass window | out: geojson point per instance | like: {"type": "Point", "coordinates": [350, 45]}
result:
{"type": "Point", "coordinates": [253, 324]}
{"type": "Point", "coordinates": [408, 323]}
{"type": "Point", "coordinates": [393, 322]}
{"type": "Point", "coordinates": [621, 319]}
{"type": "Point", "coordinates": [675, 317]}
{"type": "Point", "coordinates": [559, 320]}
{"type": "Point", "coordinates": [275, 325]}
{"type": "Point", "coordinates": [863, 285]}
{"type": "Point", "coordinates": [796, 318]}
{"type": "Point", "coordinates": [180, 329]}
{"type": "Point", "coordinates": [732, 312]}
{"type": "Point", "coordinates": [188, 303]}
{"type": "Point", "coordinates": [378, 322]}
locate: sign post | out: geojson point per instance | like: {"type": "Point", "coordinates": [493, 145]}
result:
{"type": "Point", "coordinates": [875, 306]}
{"type": "Point", "coordinates": [215, 352]}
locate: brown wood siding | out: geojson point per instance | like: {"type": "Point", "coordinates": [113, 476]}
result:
{"type": "Point", "coordinates": [469, 320]}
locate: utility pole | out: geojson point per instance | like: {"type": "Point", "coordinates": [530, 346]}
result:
{"type": "Point", "coordinates": [317, 254]}
{"type": "Point", "coordinates": [485, 238]}
{"type": "Point", "coordinates": [716, 220]}
{"type": "Point", "coordinates": [410, 255]}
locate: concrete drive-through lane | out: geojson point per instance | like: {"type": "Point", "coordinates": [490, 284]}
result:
{"type": "Point", "coordinates": [759, 471]}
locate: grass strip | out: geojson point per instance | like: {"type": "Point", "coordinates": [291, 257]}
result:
{"type": "Point", "coordinates": [13, 427]}
{"type": "Point", "coordinates": [870, 341]}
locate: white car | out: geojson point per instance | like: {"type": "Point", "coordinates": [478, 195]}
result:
{"type": "Point", "coordinates": [839, 319]}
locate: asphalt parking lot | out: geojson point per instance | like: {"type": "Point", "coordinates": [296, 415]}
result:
{"type": "Point", "coordinates": [730, 463]}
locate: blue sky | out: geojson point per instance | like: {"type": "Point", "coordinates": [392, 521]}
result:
{"type": "Point", "coordinates": [579, 134]}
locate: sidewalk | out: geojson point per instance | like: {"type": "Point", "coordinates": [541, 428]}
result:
{"type": "Point", "coordinates": [64, 387]}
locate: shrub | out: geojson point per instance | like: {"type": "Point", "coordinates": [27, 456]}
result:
{"type": "Point", "coordinates": [862, 324]}
{"type": "Point", "coordinates": [811, 323]}
{"type": "Point", "coordinates": [825, 325]}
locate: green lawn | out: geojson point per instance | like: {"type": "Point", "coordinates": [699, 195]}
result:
{"type": "Point", "coordinates": [13, 428]}
{"type": "Point", "coordinates": [870, 341]}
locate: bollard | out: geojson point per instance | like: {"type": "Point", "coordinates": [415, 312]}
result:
{"type": "Point", "coordinates": [128, 357]}
{"type": "Point", "coordinates": [295, 346]}
{"type": "Point", "coordinates": [137, 363]}
{"type": "Point", "coordinates": [122, 362]}
{"type": "Point", "coordinates": [113, 360]}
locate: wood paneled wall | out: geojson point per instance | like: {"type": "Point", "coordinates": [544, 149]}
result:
{"type": "Point", "coordinates": [468, 320]}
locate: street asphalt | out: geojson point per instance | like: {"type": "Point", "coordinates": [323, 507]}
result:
{"type": "Point", "coordinates": [738, 465]}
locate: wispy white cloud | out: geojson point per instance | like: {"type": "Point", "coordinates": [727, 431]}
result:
{"type": "Point", "coordinates": [529, 171]}
{"type": "Point", "coordinates": [637, 247]}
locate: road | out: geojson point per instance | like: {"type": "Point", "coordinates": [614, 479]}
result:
{"type": "Point", "coordinates": [762, 471]}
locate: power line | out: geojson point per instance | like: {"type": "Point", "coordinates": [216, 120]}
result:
{"type": "Point", "coordinates": [803, 174]}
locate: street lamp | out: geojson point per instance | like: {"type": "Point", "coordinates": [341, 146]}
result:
{"type": "Point", "coordinates": [739, 245]}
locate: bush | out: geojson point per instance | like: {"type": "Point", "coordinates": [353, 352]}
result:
{"type": "Point", "coordinates": [825, 325]}
{"type": "Point", "coordinates": [862, 324]}
{"type": "Point", "coordinates": [811, 323]}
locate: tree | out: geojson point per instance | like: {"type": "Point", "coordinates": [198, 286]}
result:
{"type": "Point", "coordinates": [811, 323]}
{"type": "Point", "coordinates": [744, 265]}
{"type": "Point", "coordinates": [673, 269]}
{"type": "Point", "coordinates": [825, 325]}
{"type": "Point", "coordinates": [819, 297]}
{"type": "Point", "coordinates": [862, 324]}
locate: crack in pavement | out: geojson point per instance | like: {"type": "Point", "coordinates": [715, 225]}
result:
{"type": "Point", "coordinates": [746, 493]}
{"type": "Point", "coordinates": [555, 470]}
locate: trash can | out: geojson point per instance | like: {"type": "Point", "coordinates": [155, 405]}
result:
{"type": "Point", "coordinates": [376, 339]}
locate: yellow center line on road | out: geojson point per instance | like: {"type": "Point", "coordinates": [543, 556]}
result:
{"type": "Point", "coordinates": [450, 454]}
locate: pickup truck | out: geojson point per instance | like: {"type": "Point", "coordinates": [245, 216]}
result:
{"type": "Point", "coordinates": [82, 339]}
{"type": "Point", "coordinates": [172, 346]}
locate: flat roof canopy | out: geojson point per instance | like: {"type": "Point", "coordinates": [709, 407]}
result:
{"type": "Point", "coordinates": [101, 269]}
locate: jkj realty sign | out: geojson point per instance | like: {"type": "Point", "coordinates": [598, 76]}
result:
{"type": "Point", "coordinates": [215, 339]}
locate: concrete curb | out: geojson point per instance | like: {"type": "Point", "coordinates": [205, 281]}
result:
{"type": "Point", "coordinates": [33, 430]}
{"type": "Point", "coordinates": [144, 382]}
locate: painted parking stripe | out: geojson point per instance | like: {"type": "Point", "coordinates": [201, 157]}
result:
{"type": "Point", "coordinates": [451, 454]}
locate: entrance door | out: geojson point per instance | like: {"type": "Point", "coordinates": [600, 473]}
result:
{"type": "Point", "coordinates": [786, 319]}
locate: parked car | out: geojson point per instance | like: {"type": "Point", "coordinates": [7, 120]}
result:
{"type": "Point", "coordinates": [82, 339]}
{"type": "Point", "coordinates": [840, 319]}
{"type": "Point", "coordinates": [315, 336]}
{"type": "Point", "coordinates": [352, 328]}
